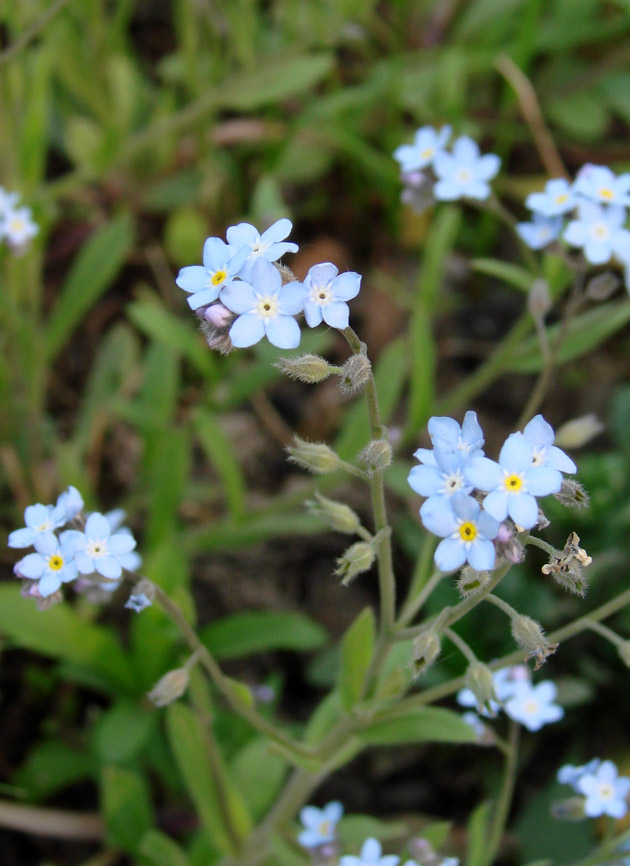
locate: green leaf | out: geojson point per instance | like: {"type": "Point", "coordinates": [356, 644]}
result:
{"type": "Point", "coordinates": [258, 773]}
{"type": "Point", "coordinates": [92, 272]}
{"type": "Point", "coordinates": [168, 471]}
{"type": "Point", "coordinates": [61, 634]}
{"type": "Point", "coordinates": [122, 731]}
{"type": "Point", "coordinates": [159, 850]}
{"type": "Point", "coordinates": [51, 766]}
{"type": "Point", "coordinates": [187, 739]}
{"type": "Point", "coordinates": [254, 528]}
{"type": "Point", "coordinates": [584, 333]}
{"type": "Point", "coordinates": [355, 829]}
{"type": "Point", "coordinates": [582, 114]}
{"type": "Point", "coordinates": [126, 808]}
{"type": "Point", "coordinates": [356, 654]}
{"type": "Point", "coordinates": [427, 724]}
{"type": "Point", "coordinates": [251, 632]}
{"type": "Point", "coordinates": [513, 275]}
{"type": "Point", "coordinates": [221, 453]}
{"type": "Point", "coordinates": [325, 715]}
{"type": "Point", "coordinates": [274, 81]}
{"type": "Point", "coordinates": [437, 833]}
{"type": "Point", "coordinates": [477, 829]}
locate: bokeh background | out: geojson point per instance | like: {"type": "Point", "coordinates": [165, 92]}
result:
{"type": "Point", "coordinates": [137, 129]}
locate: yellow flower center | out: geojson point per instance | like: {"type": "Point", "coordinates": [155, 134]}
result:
{"type": "Point", "coordinates": [46, 526]}
{"type": "Point", "coordinates": [468, 531]}
{"type": "Point", "coordinates": [606, 192]}
{"type": "Point", "coordinates": [427, 153]}
{"type": "Point", "coordinates": [531, 707]}
{"type": "Point", "coordinates": [324, 828]}
{"type": "Point", "coordinates": [560, 199]}
{"type": "Point", "coordinates": [16, 226]}
{"type": "Point", "coordinates": [600, 231]}
{"type": "Point", "coordinates": [606, 791]}
{"type": "Point", "coordinates": [513, 483]}
{"type": "Point", "coordinates": [464, 175]}
{"type": "Point", "coordinates": [55, 562]}
{"type": "Point", "coordinates": [218, 277]}
{"type": "Point", "coordinates": [267, 307]}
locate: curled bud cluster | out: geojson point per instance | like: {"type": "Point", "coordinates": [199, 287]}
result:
{"type": "Point", "coordinates": [566, 566]}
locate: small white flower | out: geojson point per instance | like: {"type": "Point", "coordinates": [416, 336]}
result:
{"type": "Point", "coordinates": [371, 855]}
{"type": "Point", "coordinates": [38, 519]}
{"type": "Point", "coordinates": [17, 226]}
{"type": "Point", "coordinates": [319, 824]}
{"type": "Point", "coordinates": [540, 232]}
{"type": "Point", "coordinates": [98, 550]}
{"type": "Point", "coordinates": [558, 198]}
{"type": "Point", "coordinates": [428, 143]}
{"type": "Point", "coordinates": [464, 173]}
{"type": "Point", "coordinates": [533, 706]}
{"type": "Point", "coordinates": [600, 184]}
{"type": "Point", "coordinates": [598, 231]}
{"type": "Point", "coordinates": [606, 793]}
{"type": "Point", "coordinates": [571, 775]}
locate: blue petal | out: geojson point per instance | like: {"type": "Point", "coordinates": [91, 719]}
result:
{"type": "Point", "coordinates": [543, 480]}
{"type": "Point", "coordinates": [32, 566]}
{"type": "Point", "coordinates": [425, 480]}
{"type": "Point", "coordinates": [444, 428]}
{"type": "Point", "coordinates": [311, 816]}
{"type": "Point", "coordinates": [483, 473]}
{"type": "Point", "coordinates": [97, 526]}
{"type": "Point", "coordinates": [192, 278]}
{"type": "Point", "coordinates": [450, 554]}
{"type": "Point", "coordinates": [243, 234]}
{"type": "Point", "coordinates": [85, 563]}
{"type": "Point", "coordinates": [425, 455]}
{"type": "Point", "coordinates": [46, 543]}
{"type": "Point", "coordinates": [292, 297]}
{"type": "Point", "coordinates": [216, 254]}
{"type": "Point", "coordinates": [347, 286]}
{"type": "Point", "coordinates": [68, 572]}
{"type": "Point", "coordinates": [496, 504]}
{"type": "Point", "coordinates": [283, 332]}
{"type": "Point", "coordinates": [35, 515]}
{"type": "Point", "coordinates": [465, 151]}
{"type": "Point", "coordinates": [21, 537]}
{"type": "Point", "coordinates": [371, 850]}
{"type": "Point", "coordinates": [539, 432]}
{"type": "Point", "coordinates": [276, 251]}
{"type": "Point", "coordinates": [336, 315]}
{"type": "Point", "coordinates": [121, 543]}
{"type": "Point", "coordinates": [108, 566]}
{"type": "Point", "coordinates": [488, 166]}
{"type": "Point", "coordinates": [277, 232]}
{"type": "Point", "coordinates": [472, 434]}
{"type": "Point", "coordinates": [437, 516]}
{"type": "Point", "coordinates": [487, 525]}
{"type": "Point", "coordinates": [321, 275]}
{"type": "Point", "coordinates": [516, 454]}
{"type": "Point", "coordinates": [465, 507]}
{"type": "Point", "coordinates": [523, 509]}
{"type": "Point", "coordinates": [557, 459]}
{"type": "Point", "coordinates": [247, 330]}
{"type": "Point", "coordinates": [206, 296]}
{"type": "Point", "coordinates": [333, 811]}
{"type": "Point", "coordinates": [478, 190]}
{"type": "Point", "coordinates": [264, 276]}
{"type": "Point", "coordinates": [481, 555]}
{"type": "Point", "coordinates": [312, 313]}
{"type": "Point", "coordinates": [447, 190]}
{"type": "Point", "coordinates": [48, 584]}
{"type": "Point", "coordinates": [238, 297]}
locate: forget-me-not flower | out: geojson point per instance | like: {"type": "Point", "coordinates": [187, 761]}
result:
{"type": "Point", "coordinates": [138, 601]}
{"type": "Point", "coordinates": [448, 435]}
{"type": "Point", "coordinates": [320, 825]}
{"type": "Point", "coordinates": [371, 855]}
{"type": "Point", "coordinates": [598, 231]}
{"type": "Point", "coordinates": [513, 483]}
{"type": "Point", "coordinates": [505, 682]}
{"type": "Point", "coordinates": [533, 705]}
{"type": "Point", "coordinates": [220, 266]}
{"type": "Point", "coordinates": [464, 173]}
{"type": "Point", "coordinates": [466, 529]}
{"type": "Point", "coordinates": [17, 226]}
{"type": "Point", "coordinates": [71, 502]}
{"type": "Point", "coordinates": [39, 519]}
{"type": "Point", "coordinates": [600, 184]}
{"type": "Point", "coordinates": [52, 564]}
{"type": "Point", "coordinates": [8, 200]}
{"type": "Point", "coordinates": [427, 143]}
{"type": "Point", "coordinates": [570, 774]}
{"type": "Point", "coordinates": [541, 231]}
{"type": "Point", "coordinates": [541, 435]}
{"type": "Point", "coordinates": [606, 792]}
{"type": "Point", "coordinates": [99, 550]}
{"type": "Point", "coordinates": [270, 245]}
{"type": "Point", "coordinates": [264, 308]}
{"type": "Point", "coordinates": [443, 479]}
{"type": "Point", "coordinates": [558, 198]}
{"type": "Point", "coordinates": [326, 294]}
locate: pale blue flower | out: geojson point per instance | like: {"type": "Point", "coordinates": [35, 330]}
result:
{"type": "Point", "coordinates": [39, 519]}
{"type": "Point", "coordinates": [8, 200]}
{"type": "Point", "coordinates": [443, 479]}
{"type": "Point", "coordinates": [540, 232]}
{"type": "Point", "coordinates": [17, 226]}
{"type": "Point", "coordinates": [264, 308]}
{"type": "Point", "coordinates": [138, 601]}
{"type": "Point", "coordinates": [505, 683]}
{"type": "Point", "coordinates": [464, 173]}
{"type": "Point", "coordinates": [558, 198]}
{"type": "Point", "coordinates": [320, 825]}
{"type": "Point", "coordinates": [71, 501]}
{"type": "Point", "coordinates": [221, 264]}
{"type": "Point", "coordinates": [532, 705]}
{"type": "Point", "coordinates": [448, 435]}
{"type": "Point", "coordinates": [598, 231]}
{"type": "Point", "coordinates": [132, 560]}
{"type": "Point", "coordinates": [326, 293]}
{"type": "Point", "coordinates": [428, 143]}
{"type": "Point", "coordinates": [600, 184]}
{"type": "Point", "coordinates": [371, 855]}
{"type": "Point", "coordinates": [606, 792]}
{"type": "Point", "coordinates": [51, 565]}
{"type": "Point", "coordinates": [270, 245]}
{"type": "Point", "coordinates": [98, 550]}
{"type": "Point", "coordinates": [570, 774]}
{"type": "Point", "coordinates": [514, 482]}
{"type": "Point", "coordinates": [466, 529]}
{"type": "Point", "coordinates": [541, 435]}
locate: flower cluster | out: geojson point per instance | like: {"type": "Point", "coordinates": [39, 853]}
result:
{"type": "Point", "coordinates": [429, 170]}
{"type": "Point", "coordinates": [599, 783]}
{"type": "Point", "coordinates": [530, 705]}
{"type": "Point", "coordinates": [241, 296]}
{"type": "Point", "coordinates": [95, 546]}
{"type": "Point", "coordinates": [595, 206]}
{"type": "Point", "coordinates": [456, 474]}
{"type": "Point", "coordinates": [16, 223]}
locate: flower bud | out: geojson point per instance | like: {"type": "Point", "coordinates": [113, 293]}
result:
{"type": "Point", "coordinates": [480, 682]}
{"type": "Point", "coordinates": [572, 494]}
{"type": "Point", "coordinates": [471, 582]}
{"type": "Point", "coordinates": [579, 431]}
{"type": "Point", "coordinates": [306, 368]}
{"type": "Point", "coordinates": [602, 286]}
{"type": "Point", "coordinates": [355, 373]}
{"type": "Point", "coordinates": [377, 456]}
{"type": "Point", "coordinates": [357, 558]}
{"type": "Point", "coordinates": [569, 810]}
{"type": "Point", "coordinates": [218, 315]}
{"type": "Point", "coordinates": [539, 299]}
{"type": "Point", "coordinates": [507, 545]}
{"type": "Point", "coordinates": [426, 649]}
{"type": "Point", "coordinates": [529, 636]}
{"type": "Point", "coordinates": [624, 652]}
{"type": "Point", "coordinates": [337, 515]}
{"type": "Point", "coordinates": [170, 687]}
{"type": "Point", "coordinates": [315, 457]}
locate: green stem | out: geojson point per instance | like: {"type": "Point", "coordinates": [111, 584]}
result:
{"type": "Point", "coordinates": [538, 542]}
{"type": "Point", "coordinates": [503, 605]}
{"type": "Point", "coordinates": [500, 817]}
{"type": "Point", "coordinates": [605, 632]}
{"type": "Point", "coordinates": [414, 605]}
{"type": "Point", "coordinates": [461, 645]}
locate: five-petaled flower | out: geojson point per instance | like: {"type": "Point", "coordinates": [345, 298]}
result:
{"type": "Point", "coordinates": [39, 519]}
{"type": "Point", "coordinates": [466, 529]}
{"type": "Point", "coordinates": [598, 183]}
{"type": "Point", "coordinates": [558, 198]}
{"type": "Point", "coordinates": [598, 231]}
{"type": "Point", "coordinates": [270, 245]}
{"type": "Point", "coordinates": [326, 294]}
{"type": "Point", "coordinates": [220, 266]}
{"type": "Point", "coordinates": [371, 855]}
{"type": "Point", "coordinates": [320, 825]}
{"type": "Point", "coordinates": [533, 705]}
{"type": "Point", "coordinates": [52, 564]}
{"type": "Point", "coordinates": [541, 231]}
{"type": "Point", "coordinates": [606, 792]}
{"type": "Point", "coordinates": [464, 173]}
{"type": "Point", "coordinates": [428, 143]}
{"type": "Point", "coordinates": [99, 550]}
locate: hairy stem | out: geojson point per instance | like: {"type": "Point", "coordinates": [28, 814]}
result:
{"type": "Point", "coordinates": [502, 810]}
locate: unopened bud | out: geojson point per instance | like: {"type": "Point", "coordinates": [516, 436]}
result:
{"type": "Point", "coordinates": [529, 636]}
{"type": "Point", "coordinates": [624, 652]}
{"type": "Point", "coordinates": [572, 494]}
{"type": "Point", "coordinates": [579, 431]}
{"type": "Point", "coordinates": [355, 373]}
{"type": "Point", "coordinates": [376, 456]}
{"type": "Point", "coordinates": [357, 558]}
{"type": "Point", "coordinates": [218, 315]}
{"type": "Point", "coordinates": [471, 582]}
{"type": "Point", "coordinates": [602, 286]}
{"type": "Point", "coordinates": [217, 338]}
{"type": "Point", "coordinates": [539, 299]}
{"type": "Point", "coordinates": [569, 810]}
{"type": "Point", "coordinates": [423, 852]}
{"type": "Point", "coordinates": [170, 687]}
{"type": "Point", "coordinates": [426, 649]}
{"type": "Point", "coordinates": [306, 368]}
{"type": "Point", "coordinates": [337, 515]}
{"type": "Point", "coordinates": [507, 545]}
{"type": "Point", "coordinates": [315, 457]}
{"type": "Point", "coordinates": [480, 682]}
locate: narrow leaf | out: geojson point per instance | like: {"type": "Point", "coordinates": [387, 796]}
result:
{"type": "Point", "coordinates": [126, 808]}
{"type": "Point", "coordinates": [159, 850]}
{"type": "Point", "coordinates": [251, 632]}
{"type": "Point", "coordinates": [356, 654]}
{"type": "Point", "coordinates": [427, 724]}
